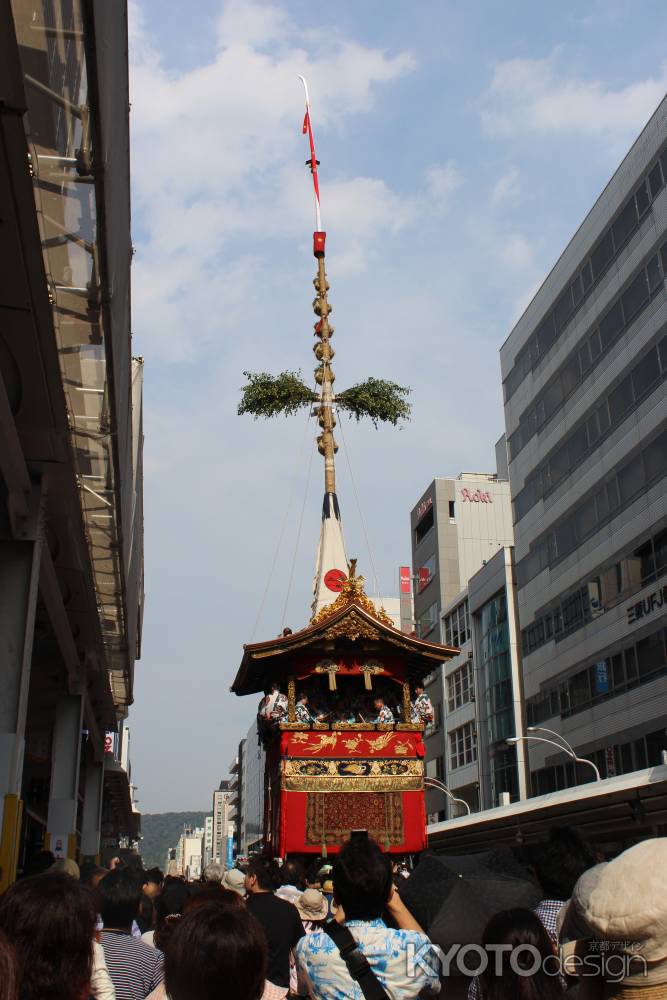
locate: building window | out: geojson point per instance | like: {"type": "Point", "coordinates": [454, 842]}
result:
{"type": "Point", "coordinates": [452, 510]}
{"type": "Point", "coordinates": [425, 573]}
{"type": "Point", "coordinates": [460, 687]}
{"type": "Point", "coordinates": [457, 625]}
{"type": "Point", "coordinates": [424, 526]}
{"type": "Point", "coordinates": [435, 768]}
{"type": "Point", "coordinates": [427, 620]}
{"type": "Point", "coordinates": [463, 746]}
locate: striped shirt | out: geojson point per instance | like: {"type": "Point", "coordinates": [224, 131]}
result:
{"type": "Point", "coordinates": [135, 968]}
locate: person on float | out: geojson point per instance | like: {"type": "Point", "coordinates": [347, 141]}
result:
{"type": "Point", "coordinates": [422, 706]}
{"type": "Point", "coordinates": [384, 713]}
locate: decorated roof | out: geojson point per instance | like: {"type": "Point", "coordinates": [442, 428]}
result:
{"type": "Point", "coordinates": [352, 616]}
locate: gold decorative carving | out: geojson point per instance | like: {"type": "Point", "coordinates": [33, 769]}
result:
{"type": "Point", "coordinates": [411, 727]}
{"type": "Point", "coordinates": [407, 705]}
{"type": "Point", "coordinates": [352, 592]}
{"type": "Point", "coordinates": [353, 627]}
{"type": "Point", "coordinates": [295, 726]}
{"type": "Point", "coordinates": [291, 700]}
{"type": "Point", "coordinates": [356, 776]}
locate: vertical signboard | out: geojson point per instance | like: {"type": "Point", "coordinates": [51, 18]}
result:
{"type": "Point", "coordinates": [405, 593]}
{"type": "Point", "coordinates": [230, 845]}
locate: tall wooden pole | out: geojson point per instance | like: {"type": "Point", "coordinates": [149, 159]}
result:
{"type": "Point", "coordinates": [324, 376]}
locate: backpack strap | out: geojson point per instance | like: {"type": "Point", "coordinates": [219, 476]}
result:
{"type": "Point", "coordinates": [356, 962]}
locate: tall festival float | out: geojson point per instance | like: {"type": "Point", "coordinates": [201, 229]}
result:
{"type": "Point", "coordinates": [325, 778]}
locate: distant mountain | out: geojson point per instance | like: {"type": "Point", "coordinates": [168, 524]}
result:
{"type": "Point", "coordinates": [160, 831]}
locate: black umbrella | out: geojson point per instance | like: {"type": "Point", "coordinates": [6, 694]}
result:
{"type": "Point", "coordinates": [453, 898]}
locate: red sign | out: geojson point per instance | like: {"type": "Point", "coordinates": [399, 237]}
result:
{"type": "Point", "coordinates": [108, 742]}
{"type": "Point", "coordinates": [404, 577]}
{"type": "Point", "coordinates": [334, 580]}
{"type": "Point", "coordinates": [423, 507]}
{"type": "Point", "coordinates": [424, 577]}
{"type": "Point", "coordinates": [477, 497]}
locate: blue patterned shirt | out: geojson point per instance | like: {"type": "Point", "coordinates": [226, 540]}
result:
{"type": "Point", "coordinates": [405, 962]}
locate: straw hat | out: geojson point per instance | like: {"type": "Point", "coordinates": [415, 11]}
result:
{"type": "Point", "coordinates": [312, 905]}
{"type": "Point", "coordinates": [234, 879]}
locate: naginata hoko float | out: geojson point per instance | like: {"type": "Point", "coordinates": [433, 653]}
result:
{"type": "Point", "coordinates": [343, 751]}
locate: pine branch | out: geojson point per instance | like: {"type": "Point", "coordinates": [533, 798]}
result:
{"type": "Point", "coordinates": [267, 395]}
{"type": "Point", "coordinates": [376, 398]}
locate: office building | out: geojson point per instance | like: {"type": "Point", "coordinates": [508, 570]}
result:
{"type": "Point", "coordinates": [223, 815]}
{"type": "Point", "coordinates": [251, 834]}
{"type": "Point", "coordinates": [208, 840]}
{"type": "Point", "coordinates": [456, 525]}
{"type": "Point", "coordinates": [586, 423]}
{"type": "Point", "coordinates": [71, 523]}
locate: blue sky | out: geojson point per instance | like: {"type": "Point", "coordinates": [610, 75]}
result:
{"type": "Point", "coordinates": [461, 145]}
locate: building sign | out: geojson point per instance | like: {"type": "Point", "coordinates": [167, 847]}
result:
{"type": "Point", "coordinates": [424, 577]}
{"type": "Point", "coordinates": [334, 580]}
{"type": "Point", "coordinates": [479, 496]}
{"type": "Point", "coordinates": [405, 581]}
{"type": "Point", "coordinates": [423, 507]}
{"type": "Point", "coordinates": [647, 605]}
{"type": "Point", "coordinates": [601, 678]}
{"type": "Point", "coordinates": [109, 742]}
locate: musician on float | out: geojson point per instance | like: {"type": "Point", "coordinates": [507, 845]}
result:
{"type": "Point", "coordinates": [422, 706]}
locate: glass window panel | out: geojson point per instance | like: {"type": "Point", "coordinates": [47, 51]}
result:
{"type": "Point", "coordinates": [604, 420]}
{"type": "Point", "coordinates": [655, 180]}
{"type": "Point", "coordinates": [585, 359]}
{"type": "Point", "coordinates": [663, 163]}
{"type": "Point", "coordinates": [563, 309]}
{"type": "Point", "coordinates": [654, 274]}
{"type": "Point", "coordinates": [559, 465]}
{"type": "Point", "coordinates": [642, 198]}
{"type": "Point", "coordinates": [646, 373]}
{"type": "Point", "coordinates": [625, 224]}
{"type": "Point", "coordinates": [595, 344]}
{"type": "Point", "coordinates": [602, 254]}
{"type": "Point", "coordinates": [634, 297]}
{"type": "Point", "coordinates": [655, 458]}
{"type": "Point", "coordinates": [586, 276]}
{"type": "Point", "coordinates": [570, 376]}
{"type": "Point", "coordinates": [631, 479]}
{"type": "Point", "coordinates": [611, 325]}
{"type": "Point", "coordinates": [585, 519]}
{"type": "Point", "coordinates": [660, 549]}
{"type": "Point", "coordinates": [662, 350]}
{"type": "Point", "coordinates": [650, 654]}
{"type": "Point", "coordinates": [546, 334]}
{"type": "Point", "coordinates": [565, 537]}
{"type": "Point", "coordinates": [630, 663]}
{"type": "Point", "coordinates": [552, 397]}
{"type": "Point", "coordinates": [620, 400]}
{"type": "Point", "coordinates": [577, 291]}
{"type": "Point", "coordinates": [578, 445]}
{"type": "Point", "coordinates": [592, 430]}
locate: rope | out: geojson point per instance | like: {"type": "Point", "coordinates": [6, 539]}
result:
{"type": "Point", "coordinates": [298, 536]}
{"type": "Point", "coordinates": [282, 530]}
{"type": "Point", "coordinates": [356, 497]}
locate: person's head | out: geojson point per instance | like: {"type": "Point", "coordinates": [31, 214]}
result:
{"type": "Point", "coordinates": [263, 875]}
{"type": "Point", "coordinates": [8, 970]}
{"type": "Point", "coordinates": [292, 873]}
{"type": "Point", "coordinates": [234, 879]}
{"type": "Point", "coordinates": [153, 880]}
{"type": "Point", "coordinates": [213, 872]}
{"type": "Point", "coordinates": [168, 908]}
{"type": "Point", "coordinates": [66, 866]}
{"type": "Point", "coordinates": [211, 892]}
{"type": "Point", "coordinates": [303, 698]}
{"type": "Point", "coordinates": [119, 896]}
{"type": "Point", "coordinates": [520, 972]}
{"type": "Point", "coordinates": [362, 879]}
{"type": "Point", "coordinates": [560, 862]}
{"type": "Point", "coordinates": [419, 689]}
{"type": "Point", "coordinates": [378, 701]}
{"type": "Point", "coordinates": [215, 944]}
{"type": "Point", "coordinates": [275, 688]}
{"type": "Point", "coordinates": [49, 921]}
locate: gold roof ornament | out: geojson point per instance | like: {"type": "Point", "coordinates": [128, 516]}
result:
{"type": "Point", "coordinates": [352, 592]}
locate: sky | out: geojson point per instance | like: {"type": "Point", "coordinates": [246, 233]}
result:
{"type": "Point", "coordinates": [461, 145]}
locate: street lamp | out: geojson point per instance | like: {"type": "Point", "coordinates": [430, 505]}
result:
{"type": "Point", "coordinates": [513, 740]}
{"type": "Point", "coordinates": [435, 783]}
{"type": "Point", "coordinates": [543, 729]}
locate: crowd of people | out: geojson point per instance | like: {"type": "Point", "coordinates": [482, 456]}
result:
{"type": "Point", "coordinates": [335, 931]}
{"type": "Point", "coordinates": [341, 707]}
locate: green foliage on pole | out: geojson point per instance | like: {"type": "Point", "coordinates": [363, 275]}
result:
{"type": "Point", "coordinates": [267, 395]}
{"type": "Point", "coordinates": [377, 399]}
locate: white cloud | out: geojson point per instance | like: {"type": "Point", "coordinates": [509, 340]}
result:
{"type": "Point", "coordinates": [441, 182]}
{"type": "Point", "coordinates": [506, 188]}
{"type": "Point", "coordinates": [536, 96]}
{"type": "Point", "coordinates": [218, 159]}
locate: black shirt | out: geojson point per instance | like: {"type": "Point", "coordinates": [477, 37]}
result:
{"type": "Point", "coordinates": [283, 928]}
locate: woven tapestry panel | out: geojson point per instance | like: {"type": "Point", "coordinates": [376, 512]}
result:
{"type": "Point", "coordinates": [331, 816]}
